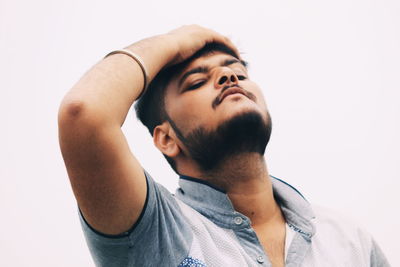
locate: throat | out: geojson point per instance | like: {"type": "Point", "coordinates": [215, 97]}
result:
{"type": "Point", "coordinates": [246, 181]}
{"type": "Point", "coordinates": [237, 171]}
{"type": "Point", "coordinates": [248, 186]}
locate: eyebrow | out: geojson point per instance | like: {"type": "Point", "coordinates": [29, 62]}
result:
{"type": "Point", "coordinates": [205, 69]}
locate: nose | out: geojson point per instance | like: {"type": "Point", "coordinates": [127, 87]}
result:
{"type": "Point", "coordinates": [226, 77]}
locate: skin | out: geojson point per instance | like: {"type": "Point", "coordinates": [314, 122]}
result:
{"type": "Point", "coordinates": [107, 179]}
{"type": "Point", "coordinates": [191, 108]}
{"type": "Point", "coordinates": [244, 177]}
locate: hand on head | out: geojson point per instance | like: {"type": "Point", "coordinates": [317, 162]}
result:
{"type": "Point", "coordinates": [191, 38]}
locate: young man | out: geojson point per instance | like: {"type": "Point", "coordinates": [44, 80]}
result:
{"type": "Point", "coordinates": [211, 123]}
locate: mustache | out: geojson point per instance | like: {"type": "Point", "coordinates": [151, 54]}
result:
{"type": "Point", "coordinates": [219, 99]}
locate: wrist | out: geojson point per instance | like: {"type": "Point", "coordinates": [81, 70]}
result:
{"type": "Point", "coordinates": [156, 52]}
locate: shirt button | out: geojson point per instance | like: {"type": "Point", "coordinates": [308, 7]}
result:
{"type": "Point", "coordinates": [238, 220]}
{"type": "Point", "coordinates": [260, 259]}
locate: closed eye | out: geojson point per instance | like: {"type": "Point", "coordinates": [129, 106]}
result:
{"type": "Point", "coordinates": [195, 86]}
{"type": "Point", "coordinates": [241, 77]}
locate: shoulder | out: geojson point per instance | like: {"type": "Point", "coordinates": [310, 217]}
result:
{"type": "Point", "coordinates": [160, 225]}
{"type": "Point", "coordinates": [342, 226]}
{"type": "Point", "coordinates": [339, 236]}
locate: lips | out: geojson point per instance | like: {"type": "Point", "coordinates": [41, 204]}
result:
{"type": "Point", "coordinates": [231, 91]}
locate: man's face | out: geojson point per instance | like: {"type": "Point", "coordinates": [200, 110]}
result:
{"type": "Point", "coordinates": [210, 92]}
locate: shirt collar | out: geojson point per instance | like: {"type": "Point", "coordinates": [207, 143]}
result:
{"type": "Point", "coordinates": [215, 204]}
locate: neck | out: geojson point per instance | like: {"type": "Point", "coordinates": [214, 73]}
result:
{"type": "Point", "coordinates": [246, 181]}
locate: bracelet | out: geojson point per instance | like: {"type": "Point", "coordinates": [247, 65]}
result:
{"type": "Point", "coordinates": [139, 61]}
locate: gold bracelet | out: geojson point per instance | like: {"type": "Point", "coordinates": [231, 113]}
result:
{"type": "Point", "coordinates": [139, 61]}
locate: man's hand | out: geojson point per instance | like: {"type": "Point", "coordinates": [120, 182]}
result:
{"type": "Point", "coordinates": [189, 39]}
{"type": "Point", "coordinates": [176, 46]}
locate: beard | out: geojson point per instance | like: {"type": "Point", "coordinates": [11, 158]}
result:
{"type": "Point", "coordinates": [244, 133]}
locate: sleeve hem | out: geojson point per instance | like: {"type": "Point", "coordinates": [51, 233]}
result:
{"type": "Point", "coordinates": [125, 233]}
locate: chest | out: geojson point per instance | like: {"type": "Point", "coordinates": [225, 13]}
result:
{"type": "Point", "coordinates": [273, 241]}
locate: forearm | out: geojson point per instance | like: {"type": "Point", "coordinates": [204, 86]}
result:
{"type": "Point", "coordinates": [107, 91]}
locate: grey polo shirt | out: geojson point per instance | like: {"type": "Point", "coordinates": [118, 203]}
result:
{"type": "Point", "coordinates": [199, 227]}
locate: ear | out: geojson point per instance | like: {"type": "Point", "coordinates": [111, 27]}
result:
{"type": "Point", "coordinates": [165, 141]}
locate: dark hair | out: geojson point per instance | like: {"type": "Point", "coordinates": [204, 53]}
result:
{"type": "Point", "coordinates": [150, 108]}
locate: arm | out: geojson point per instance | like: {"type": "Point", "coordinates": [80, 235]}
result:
{"type": "Point", "coordinates": [107, 180]}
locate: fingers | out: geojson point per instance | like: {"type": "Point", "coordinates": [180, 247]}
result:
{"type": "Point", "coordinates": [219, 38]}
{"type": "Point", "coordinates": [224, 40]}
{"type": "Point", "coordinates": [191, 38]}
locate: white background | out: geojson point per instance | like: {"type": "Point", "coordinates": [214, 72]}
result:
{"type": "Point", "coordinates": [330, 75]}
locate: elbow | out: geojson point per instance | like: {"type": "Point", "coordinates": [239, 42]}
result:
{"type": "Point", "coordinates": [77, 117]}
{"type": "Point", "coordinates": [78, 114]}
{"type": "Point", "coordinates": [70, 124]}
{"type": "Point", "coordinates": [71, 110]}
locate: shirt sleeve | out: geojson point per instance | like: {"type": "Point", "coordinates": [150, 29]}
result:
{"type": "Point", "coordinates": [378, 259]}
{"type": "Point", "coordinates": [160, 237]}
